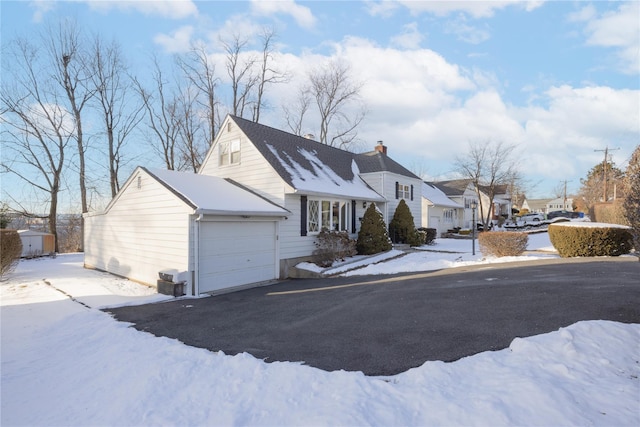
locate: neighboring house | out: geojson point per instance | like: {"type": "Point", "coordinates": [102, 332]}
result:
{"type": "Point", "coordinates": [439, 211]}
{"type": "Point", "coordinates": [502, 205]}
{"type": "Point", "coordinates": [462, 191]}
{"type": "Point", "coordinates": [307, 186]}
{"type": "Point", "coordinates": [560, 204]}
{"type": "Point", "coordinates": [536, 205]}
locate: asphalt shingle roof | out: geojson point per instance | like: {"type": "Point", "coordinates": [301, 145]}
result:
{"type": "Point", "coordinates": [286, 152]}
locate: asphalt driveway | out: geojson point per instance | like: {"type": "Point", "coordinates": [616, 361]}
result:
{"type": "Point", "coordinates": [384, 325]}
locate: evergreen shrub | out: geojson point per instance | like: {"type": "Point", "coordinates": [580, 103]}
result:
{"type": "Point", "coordinates": [502, 243]}
{"type": "Point", "coordinates": [430, 235]}
{"type": "Point", "coordinates": [596, 239]}
{"type": "Point", "coordinates": [402, 228]}
{"type": "Point", "coordinates": [10, 250]}
{"type": "Point", "coordinates": [332, 246]}
{"type": "Point", "coordinates": [373, 237]}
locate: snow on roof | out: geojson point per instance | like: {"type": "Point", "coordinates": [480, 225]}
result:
{"type": "Point", "coordinates": [590, 225]}
{"type": "Point", "coordinates": [322, 179]}
{"type": "Point", "coordinates": [437, 196]}
{"type": "Point", "coordinates": [33, 233]}
{"type": "Point", "coordinates": [209, 194]}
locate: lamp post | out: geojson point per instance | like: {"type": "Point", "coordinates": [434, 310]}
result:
{"type": "Point", "coordinates": [474, 205]}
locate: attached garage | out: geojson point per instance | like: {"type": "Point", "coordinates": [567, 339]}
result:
{"type": "Point", "coordinates": [233, 253]}
{"type": "Point", "coordinates": [214, 233]}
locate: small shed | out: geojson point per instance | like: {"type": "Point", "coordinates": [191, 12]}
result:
{"type": "Point", "coordinates": [36, 243]}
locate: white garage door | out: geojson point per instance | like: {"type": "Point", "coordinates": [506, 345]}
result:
{"type": "Point", "coordinates": [236, 253]}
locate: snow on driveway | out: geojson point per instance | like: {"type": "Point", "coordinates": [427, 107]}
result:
{"type": "Point", "coordinates": [64, 362]}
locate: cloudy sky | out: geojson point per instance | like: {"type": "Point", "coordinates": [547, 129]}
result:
{"type": "Point", "coordinates": [558, 79]}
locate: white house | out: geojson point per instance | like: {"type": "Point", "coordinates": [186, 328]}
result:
{"type": "Point", "coordinates": [560, 204]}
{"type": "Point", "coordinates": [439, 211]}
{"type": "Point", "coordinates": [304, 186]}
{"type": "Point", "coordinates": [462, 191]}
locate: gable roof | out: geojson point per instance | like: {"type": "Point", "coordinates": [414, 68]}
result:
{"type": "Point", "coordinates": [375, 161]}
{"type": "Point", "coordinates": [313, 167]}
{"type": "Point", "coordinates": [205, 194]}
{"type": "Point", "coordinates": [437, 197]}
{"type": "Point", "coordinates": [213, 195]}
{"type": "Point", "coordinates": [455, 187]}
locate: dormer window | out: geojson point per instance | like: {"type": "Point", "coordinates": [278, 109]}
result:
{"type": "Point", "coordinates": [229, 152]}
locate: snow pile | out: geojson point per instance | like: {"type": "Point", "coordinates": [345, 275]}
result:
{"type": "Point", "coordinates": [66, 363]}
{"type": "Point", "coordinates": [445, 253]}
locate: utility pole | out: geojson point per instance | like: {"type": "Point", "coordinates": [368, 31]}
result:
{"type": "Point", "coordinates": [564, 201]}
{"type": "Point", "coordinates": [604, 170]}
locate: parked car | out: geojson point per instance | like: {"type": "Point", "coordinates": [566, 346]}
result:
{"type": "Point", "coordinates": [480, 226]}
{"type": "Point", "coordinates": [565, 214]}
{"type": "Point", "coordinates": [532, 217]}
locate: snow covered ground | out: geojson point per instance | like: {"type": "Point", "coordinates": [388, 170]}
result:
{"type": "Point", "coordinates": [64, 362]}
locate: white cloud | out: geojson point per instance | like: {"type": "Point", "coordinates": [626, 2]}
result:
{"type": "Point", "coordinates": [174, 9]}
{"type": "Point", "coordinates": [618, 29]}
{"type": "Point", "coordinates": [301, 14]}
{"type": "Point", "coordinates": [178, 41]}
{"type": "Point", "coordinates": [41, 7]}
{"type": "Point", "coordinates": [476, 9]}
{"type": "Point", "coordinates": [427, 109]}
{"type": "Point", "coordinates": [410, 37]}
{"type": "Point", "coordinates": [466, 32]}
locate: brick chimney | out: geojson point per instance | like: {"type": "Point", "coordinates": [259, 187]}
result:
{"type": "Point", "coordinates": [381, 148]}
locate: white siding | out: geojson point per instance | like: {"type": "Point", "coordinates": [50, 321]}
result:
{"type": "Point", "coordinates": [145, 231]}
{"type": "Point", "coordinates": [252, 171]}
{"type": "Point", "coordinates": [292, 244]}
{"type": "Point", "coordinates": [385, 184]}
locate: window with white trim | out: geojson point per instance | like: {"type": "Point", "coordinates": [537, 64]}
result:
{"type": "Point", "coordinates": [229, 152]}
{"type": "Point", "coordinates": [329, 214]}
{"type": "Point", "coordinates": [448, 215]}
{"type": "Point", "coordinates": [404, 191]}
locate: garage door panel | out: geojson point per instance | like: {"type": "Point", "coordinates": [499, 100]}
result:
{"type": "Point", "coordinates": [236, 253]}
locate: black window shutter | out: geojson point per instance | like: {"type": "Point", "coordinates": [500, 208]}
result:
{"type": "Point", "coordinates": [397, 190]}
{"type": "Point", "coordinates": [303, 215]}
{"type": "Point", "coordinates": [411, 192]}
{"type": "Point", "coordinates": [353, 216]}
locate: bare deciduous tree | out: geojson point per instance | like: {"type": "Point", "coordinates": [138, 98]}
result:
{"type": "Point", "coordinates": [333, 90]}
{"type": "Point", "coordinates": [64, 47]}
{"type": "Point", "coordinates": [120, 113]}
{"type": "Point", "coordinates": [240, 71]}
{"type": "Point", "coordinates": [163, 116]}
{"type": "Point", "coordinates": [591, 189]}
{"type": "Point", "coordinates": [295, 115]}
{"type": "Point", "coordinates": [488, 166]}
{"type": "Point", "coordinates": [191, 147]}
{"type": "Point", "coordinates": [268, 75]}
{"type": "Point", "coordinates": [201, 73]}
{"type": "Point", "coordinates": [36, 128]}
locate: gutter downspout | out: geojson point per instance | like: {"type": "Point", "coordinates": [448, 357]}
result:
{"type": "Point", "coordinates": [195, 282]}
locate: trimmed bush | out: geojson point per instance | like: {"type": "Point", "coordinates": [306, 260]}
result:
{"type": "Point", "coordinates": [573, 239]}
{"type": "Point", "coordinates": [10, 250]}
{"type": "Point", "coordinates": [373, 237]}
{"type": "Point", "coordinates": [332, 246]}
{"type": "Point", "coordinates": [402, 229]}
{"type": "Point", "coordinates": [430, 235]}
{"type": "Point", "coordinates": [502, 243]}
